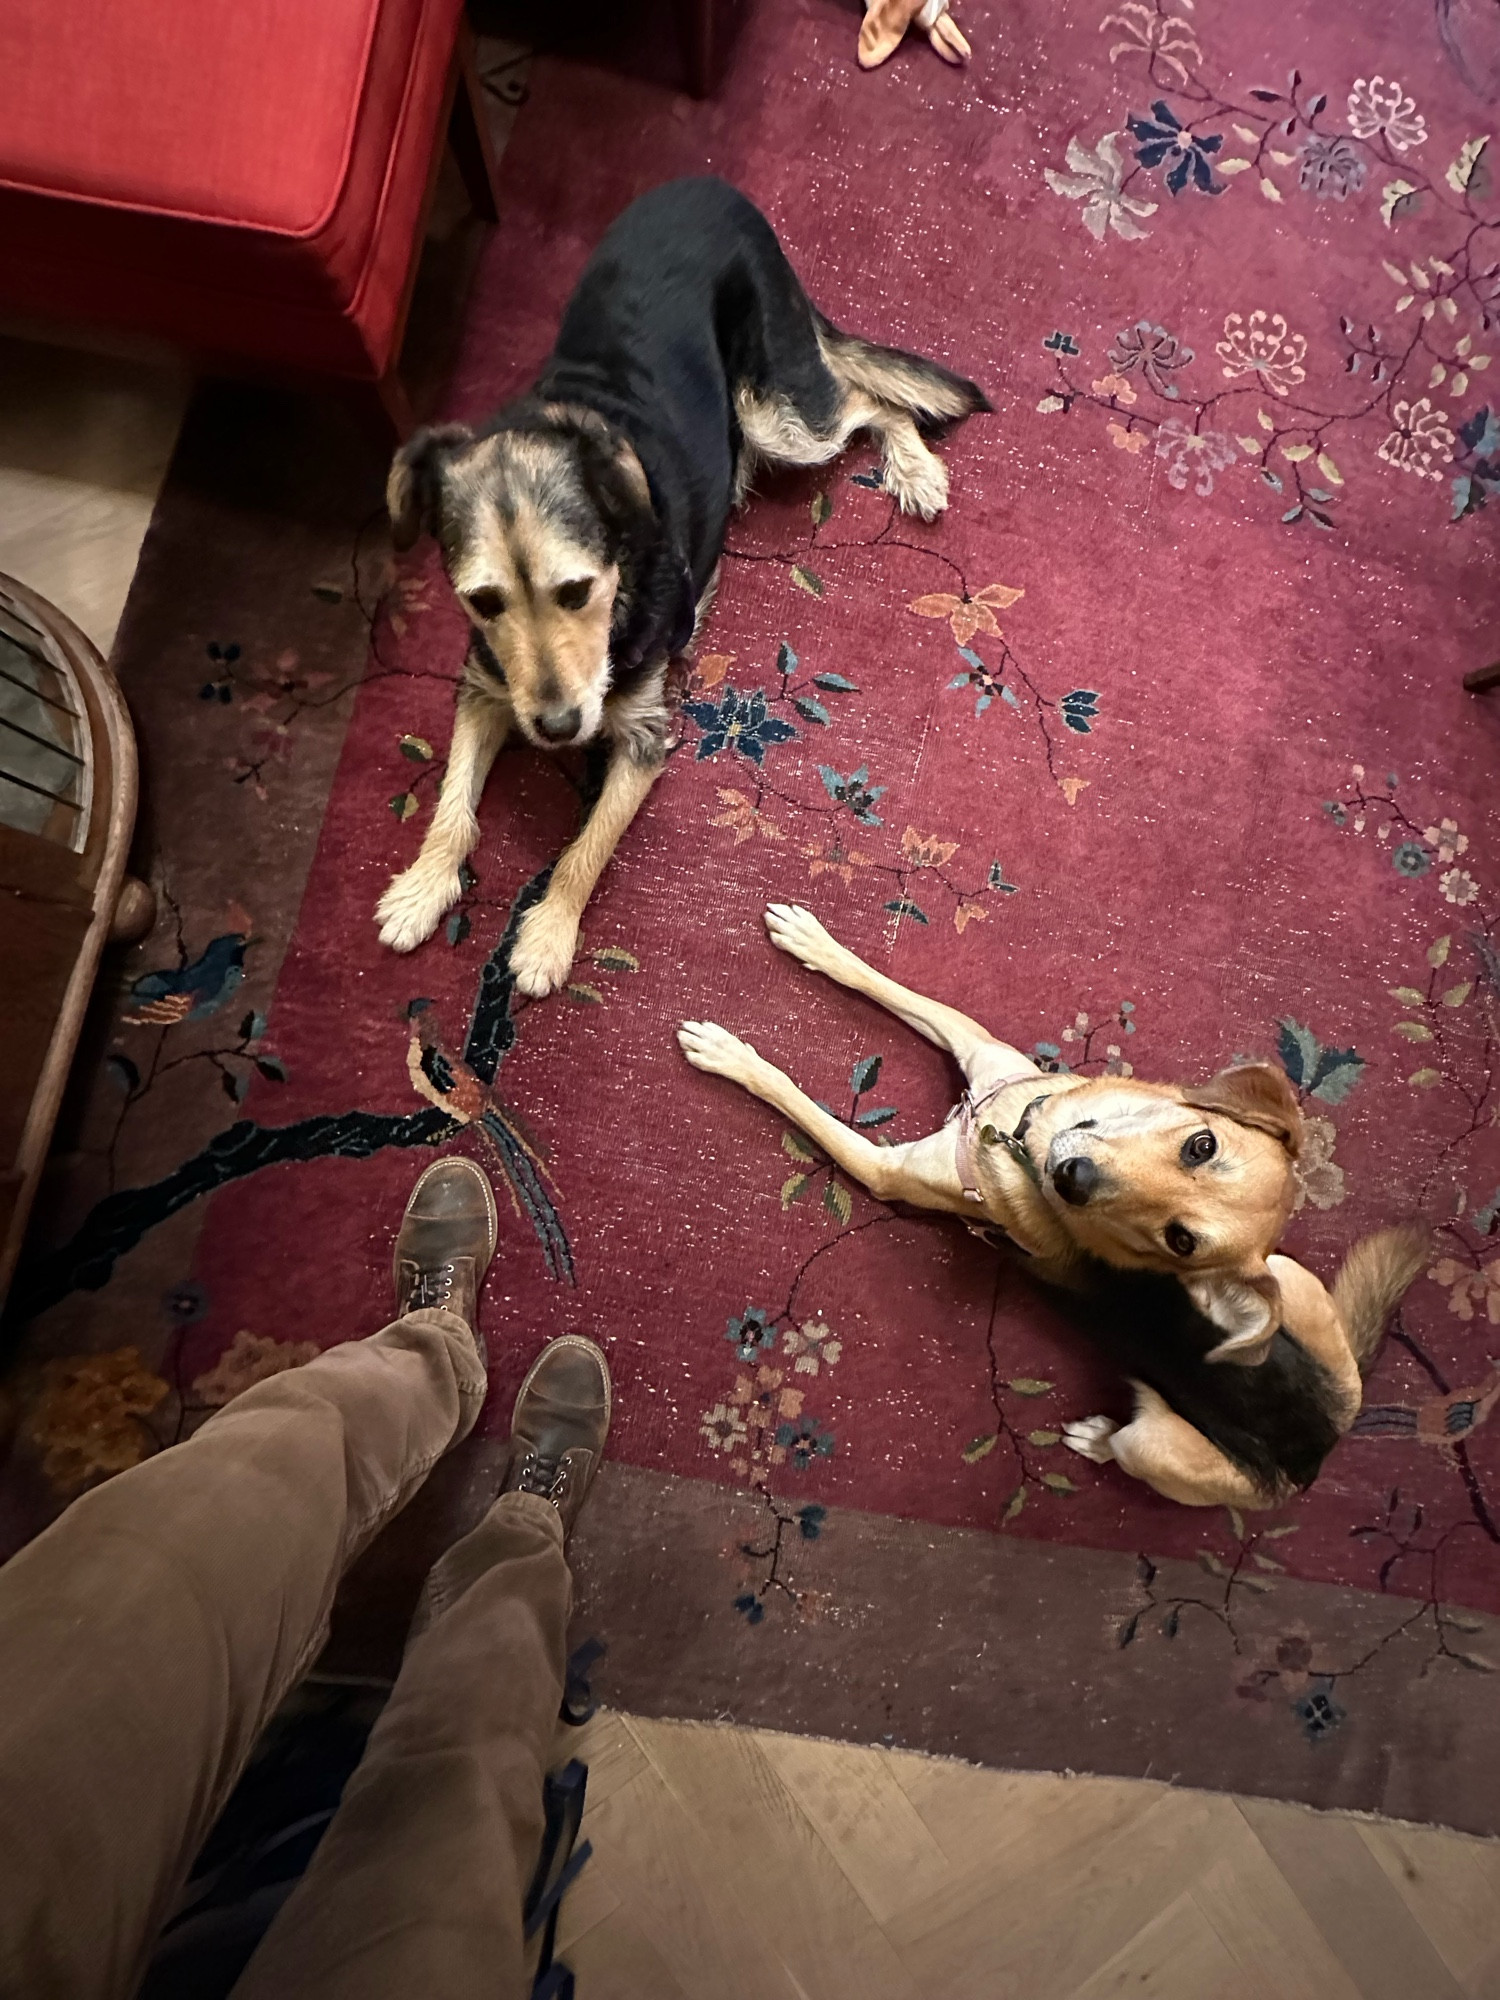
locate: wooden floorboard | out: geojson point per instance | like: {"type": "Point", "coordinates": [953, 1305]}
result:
{"type": "Point", "coordinates": [735, 1864]}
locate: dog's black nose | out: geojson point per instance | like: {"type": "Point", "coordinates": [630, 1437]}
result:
{"type": "Point", "coordinates": [559, 725]}
{"type": "Point", "coordinates": [1075, 1179]}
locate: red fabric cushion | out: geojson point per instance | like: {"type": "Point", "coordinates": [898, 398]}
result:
{"type": "Point", "coordinates": [237, 176]}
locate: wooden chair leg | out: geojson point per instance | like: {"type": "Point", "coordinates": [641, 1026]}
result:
{"type": "Point", "coordinates": [135, 911]}
{"type": "Point", "coordinates": [1483, 679]}
{"type": "Point", "coordinates": [469, 133]}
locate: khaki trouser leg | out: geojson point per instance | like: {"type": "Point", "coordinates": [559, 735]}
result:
{"type": "Point", "coordinates": [418, 1883]}
{"type": "Point", "coordinates": [147, 1637]}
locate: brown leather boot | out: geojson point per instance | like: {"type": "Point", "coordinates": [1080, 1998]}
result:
{"type": "Point", "coordinates": [446, 1241]}
{"type": "Point", "coordinates": [561, 1421]}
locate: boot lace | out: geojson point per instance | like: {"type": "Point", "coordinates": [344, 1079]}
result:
{"type": "Point", "coordinates": [433, 1287]}
{"type": "Point", "coordinates": [543, 1473]}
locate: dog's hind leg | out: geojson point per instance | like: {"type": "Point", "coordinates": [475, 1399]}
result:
{"type": "Point", "coordinates": [1169, 1455]}
{"type": "Point", "coordinates": [774, 432]}
{"type": "Point", "coordinates": [978, 1054]}
{"type": "Point", "coordinates": [921, 1172]}
{"type": "Point", "coordinates": [900, 396]}
{"type": "Point", "coordinates": [414, 904]}
{"type": "Point", "coordinates": [916, 476]}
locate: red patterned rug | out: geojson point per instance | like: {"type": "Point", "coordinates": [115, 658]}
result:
{"type": "Point", "coordinates": [1152, 753]}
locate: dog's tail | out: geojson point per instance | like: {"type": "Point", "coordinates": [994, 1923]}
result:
{"type": "Point", "coordinates": [935, 396]}
{"type": "Point", "coordinates": [1371, 1281]}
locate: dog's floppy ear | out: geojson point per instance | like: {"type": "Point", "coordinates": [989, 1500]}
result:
{"type": "Point", "coordinates": [1253, 1094]}
{"type": "Point", "coordinates": [413, 492]}
{"type": "Point", "coordinates": [659, 609]}
{"type": "Point", "coordinates": [1246, 1308]}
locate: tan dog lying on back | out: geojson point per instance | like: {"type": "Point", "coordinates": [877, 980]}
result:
{"type": "Point", "coordinates": [1088, 1172]}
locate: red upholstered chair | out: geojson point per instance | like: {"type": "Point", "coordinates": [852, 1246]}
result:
{"type": "Point", "coordinates": [247, 180]}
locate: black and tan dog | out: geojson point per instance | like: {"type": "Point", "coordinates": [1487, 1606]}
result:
{"type": "Point", "coordinates": [1155, 1210]}
{"type": "Point", "coordinates": [582, 527]}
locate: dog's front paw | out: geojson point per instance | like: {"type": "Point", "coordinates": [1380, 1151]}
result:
{"type": "Point", "coordinates": [710, 1047]}
{"type": "Point", "coordinates": [1090, 1438]}
{"type": "Point", "coordinates": [414, 905]}
{"type": "Point", "coordinates": [920, 489]}
{"type": "Point", "coordinates": [798, 932]}
{"type": "Point", "coordinates": [543, 953]}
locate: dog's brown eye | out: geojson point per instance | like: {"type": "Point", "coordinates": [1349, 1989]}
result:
{"type": "Point", "coordinates": [487, 604]}
{"type": "Point", "coordinates": [1202, 1146]}
{"type": "Point", "coordinates": [573, 596]}
{"type": "Point", "coordinates": [1181, 1242]}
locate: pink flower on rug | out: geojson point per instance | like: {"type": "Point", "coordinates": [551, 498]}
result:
{"type": "Point", "coordinates": [1468, 1287]}
{"type": "Point", "coordinates": [711, 669]}
{"type": "Point", "coordinates": [1275, 1665]}
{"type": "Point", "coordinates": [1186, 451]}
{"type": "Point", "coordinates": [1126, 440]}
{"type": "Point", "coordinates": [1458, 886]}
{"type": "Point", "coordinates": [724, 1428]}
{"type": "Point", "coordinates": [1154, 351]}
{"type": "Point", "coordinates": [248, 1359]}
{"type": "Point", "coordinates": [1165, 37]}
{"type": "Point", "coordinates": [1116, 386]}
{"type": "Point", "coordinates": [968, 615]}
{"type": "Point", "coordinates": [1097, 180]}
{"type": "Point", "coordinates": [744, 817]}
{"type": "Point", "coordinates": [925, 850]}
{"type": "Point", "coordinates": [1421, 442]}
{"type": "Point", "coordinates": [1376, 106]}
{"type": "Point", "coordinates": [1320, 1179]}
{"type": "Point", "coordinates": [1447, 839]}
{"type": "Point", "coordinates": [830, 857]}
{"type": "Point", "coordinates": [813, 1345]}
{"type": "Point", "coordinates": [1262, 346]}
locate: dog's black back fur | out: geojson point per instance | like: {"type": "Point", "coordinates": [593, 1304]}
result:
{"type": "Point", "coordinates": [688, 295]}
{"type": "Point", "coordinates": [1272, 1418]}
{"type": "Point", "coordinates": [688, 298]}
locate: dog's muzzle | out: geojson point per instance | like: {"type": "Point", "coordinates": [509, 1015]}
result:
{"type": "Point", "coordinates": [1076, 1179]}
{"type": "Point", "coordinates": [559, 725]}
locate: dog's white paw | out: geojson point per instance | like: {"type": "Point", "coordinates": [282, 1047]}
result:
{"type": "Point", "coordinates": [1090, 1436]}
{"type": "Point", "coordinates": [798, 932]}
{"type": "Point", "coordinates": [543, 953]}
{"type": "Point", "coordinates": [710, 1047]}
{"type": "Point", "coordinates": [920, 489]}
{"type": "Point", "coordinates": [414, 905]}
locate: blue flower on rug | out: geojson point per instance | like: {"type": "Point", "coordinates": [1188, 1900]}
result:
{"type": "Point", "coordinates": [1184, 154]}
{"type": "Point", "coordinates": [1479, 481]}
{"type": "Point", "coordinates": [751, 1332]}
{"type": "Point", "coordinates": [739, 722]}
{"type": "Point", "coordinates": [804, 1441]}
{"type": "Point", "coordinates": [1318, 1712]}
{"type": "Point", "coordinates": [1332, 168]}
{"type": "Point", "coordinates": [989, 685]}
{"type": "Point", "coordinates": [855, 792]}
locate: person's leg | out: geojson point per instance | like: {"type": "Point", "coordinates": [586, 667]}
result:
{"type": "Point", "coordinates": [417, 1886]}
{"type": "Point", "coordinates": [147, 1636]}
